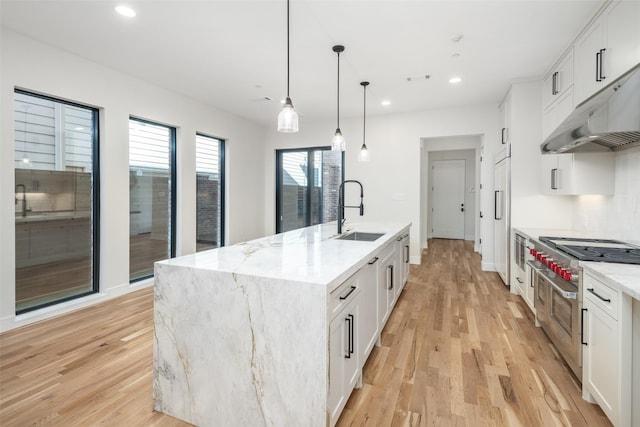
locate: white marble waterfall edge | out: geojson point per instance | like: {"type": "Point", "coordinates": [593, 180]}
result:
{"type": "Point", "coordinates": [239, 350]}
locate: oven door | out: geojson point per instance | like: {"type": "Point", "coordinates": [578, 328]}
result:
{"type": "Point", "coordinates": [562, 318]}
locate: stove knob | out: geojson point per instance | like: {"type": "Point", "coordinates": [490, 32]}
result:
{"type": "Point", "coordinates": [532, 252]}
{"type": "Point", "coordinates": [567, 276]}
{"type": "Point", "coordinates": [550, 262]}
{"type": "Point", "coordinates": [556, 268]}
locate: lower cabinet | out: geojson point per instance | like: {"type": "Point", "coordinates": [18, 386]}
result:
{"type": "Point", "coordinates": [402, 262]}
{"type": "Point", "coordinates": [386, 284]}
{"type": "Point", "coordinates": [607, 350]}
{"type": "Point", "coordinates": [344, 366]}
{"type": "Point", "coordinates": [369, 324]}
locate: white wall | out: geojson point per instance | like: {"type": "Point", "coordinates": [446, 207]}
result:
{"type": "Point", "coordinates": [616, 216]}
{"type": "Point", "coordinates": [392, 179]}
{"type": "Point", "coordinates": [37, 67]}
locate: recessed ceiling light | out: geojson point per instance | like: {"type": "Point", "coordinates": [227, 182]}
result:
{"type": "Point", "coordinates": [456, 38]}
{"type": "Point", "coordinates": [126, 11]}
{"type": "Point", "coordinates": [455, 55]}
{"type": "Point", "coordinates": [385, 102]}
{"type": "Point", "coordinates": [454, 80]}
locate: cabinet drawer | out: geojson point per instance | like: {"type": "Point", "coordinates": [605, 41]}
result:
{"type": "Point", "coordinates": [344, 294]}
{"type": "Point", "coordinates": [601, 295]}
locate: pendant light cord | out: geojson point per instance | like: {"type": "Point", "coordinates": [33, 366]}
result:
{"type": "Point", "coordinates": [287, 48]}
{"type": "Point", "coordinates": [338, 109]}
{"type": "Point", "coordinates": [364, 117]}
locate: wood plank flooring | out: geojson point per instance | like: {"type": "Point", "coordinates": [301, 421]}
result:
{"type": "Point", "coordinates": [458, 350]}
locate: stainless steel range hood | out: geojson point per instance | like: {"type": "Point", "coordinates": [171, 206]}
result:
{"type": "Point", "coordinates": [607, 121]}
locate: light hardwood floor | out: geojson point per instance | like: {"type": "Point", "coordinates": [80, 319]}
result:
{"type": "Point", "coordinates": [458, 350]}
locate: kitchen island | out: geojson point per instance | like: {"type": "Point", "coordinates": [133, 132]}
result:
{"type": "Point", "coordinates": [244, 335]}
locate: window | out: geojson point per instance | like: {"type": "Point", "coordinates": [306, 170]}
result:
{"type": "Point", "coordinates": [152, 196]}
{"type": "Point", "coordinates": [209, 192]}
{"type": "Point", "coordinates": [56, 200]}
{"type": "Point", "coordinates": [307, 187]}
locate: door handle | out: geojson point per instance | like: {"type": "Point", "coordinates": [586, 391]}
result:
{"type": "Point", "coordinates": [554, 178]}
{"type": "Point", "coordinates": [462, 207]}
{"type": "Point", "coordinates": [582, 341]}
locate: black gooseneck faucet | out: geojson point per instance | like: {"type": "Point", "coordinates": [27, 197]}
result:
{"type": "Point", "coordinates": [341, 204]}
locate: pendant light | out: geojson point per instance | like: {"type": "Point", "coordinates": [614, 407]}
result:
{"type": "Point", "coordinates": [363, 156]}
{"type": "Point", "coordinates": [337, 143]}
{"type": "Point", "coordinates": [288, 118]}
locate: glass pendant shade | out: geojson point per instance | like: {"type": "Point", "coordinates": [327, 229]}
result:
{"type": "Point", "coordinates": [363, 155]}
{"type": "Point", "coordinates": [337, 142]}
{"type": "Point", "coordinates": [288, 118]}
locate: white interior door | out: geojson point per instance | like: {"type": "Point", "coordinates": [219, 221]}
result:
{"type": "Point", "coordinates": [448, 199]}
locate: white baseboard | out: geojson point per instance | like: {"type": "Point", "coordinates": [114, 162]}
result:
{"type": "Point", "coordinates": [488, 266]}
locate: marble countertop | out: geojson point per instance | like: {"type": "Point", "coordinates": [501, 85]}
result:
{"type": "Point", "coordinates": [623, 277]}
{"type": "Point", "coordinates": [308, 255]}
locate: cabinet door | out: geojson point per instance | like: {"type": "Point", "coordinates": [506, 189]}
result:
{"type": "Point", "coordinates": [505, 114]}
{"type": "Point", "coordinates": [368, 319]}
{"type": "Point", "coordinates": [622, 20]}
{"type": "Point", "coordinates": [337, 352]}
{"type": "Point", "coordinates": [588, 47]}
{"type": "Point", "coordinates": [386, 273]}
{"type": "Point", "coordinates": [558, 81]}
{"type": "Point", "coordinates": [601, 359]}
{"type": "Point", "coordinates": [344, 367]}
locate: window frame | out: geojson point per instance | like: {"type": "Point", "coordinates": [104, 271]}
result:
{"type": "Point", "coordinates": [95, 202]}
{"type": "Point", "coordinates": [173, 174]}
{"type": "Point", "coordinates": [223, 183]}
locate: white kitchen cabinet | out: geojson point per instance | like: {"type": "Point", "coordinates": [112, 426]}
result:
{"type": "Point", "coordinates": [369, 324]}
{"type": "Point", "coordinates": [344, 366]}
{"type": "Point", "coordinates": [402, 261]}
{"type": "Point", "coordinates": [505, 120]}
{"type": "Point", "coordinates": [554, 114]}
{"type": "Point", "coordinates": [577, 173]}
{"type": "Point", "coordinates": [386, 286]}
{"type": "Point", "coordinates": [501, 215]}
{"type": "Point", "coordinates": [558, 81]}
{"type": "Point", "coordinates": [607, 350]}
{"type": "Point", "coordinates": [609, 47]}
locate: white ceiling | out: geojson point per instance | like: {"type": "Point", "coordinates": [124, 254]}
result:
{"type": "Point", "coordinates": [232, 54]}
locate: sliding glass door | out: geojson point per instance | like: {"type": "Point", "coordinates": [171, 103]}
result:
{"type": "Point", "coordinates": [152, 196]}
{"type": "Point", "coordinates": [307, 186]}
{"type": "Point", "coordinates": [56, 200]}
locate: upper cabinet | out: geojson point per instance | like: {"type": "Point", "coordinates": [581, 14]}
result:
{"type": "Point", "coordinates": [505, 118]}
{"type": "Point", "coordinates": [609, 47]}
{"type": "Point", "coordinates": [577, 173]}
{"type": "Point", "coordinates": [559, 80]}
{"type": "Point", "coordinates": [557, 95]}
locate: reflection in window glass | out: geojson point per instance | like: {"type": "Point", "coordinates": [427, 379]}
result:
{"type": "Point", "coordinates": [209, 192]}
{"type": "Point", "coordinates": [56, 189]}
{"type": "Point", "coordinates": [151, 194]}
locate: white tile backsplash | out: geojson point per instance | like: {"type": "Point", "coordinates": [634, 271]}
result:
{"type": "Point", "coordinates": [617, 215]}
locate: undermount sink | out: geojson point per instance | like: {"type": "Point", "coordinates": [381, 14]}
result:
{"type": "Point", "coordinates": [360, 236]}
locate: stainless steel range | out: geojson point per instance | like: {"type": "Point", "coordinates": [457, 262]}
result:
{"type": "Point", "coordinates": [557, 278]}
